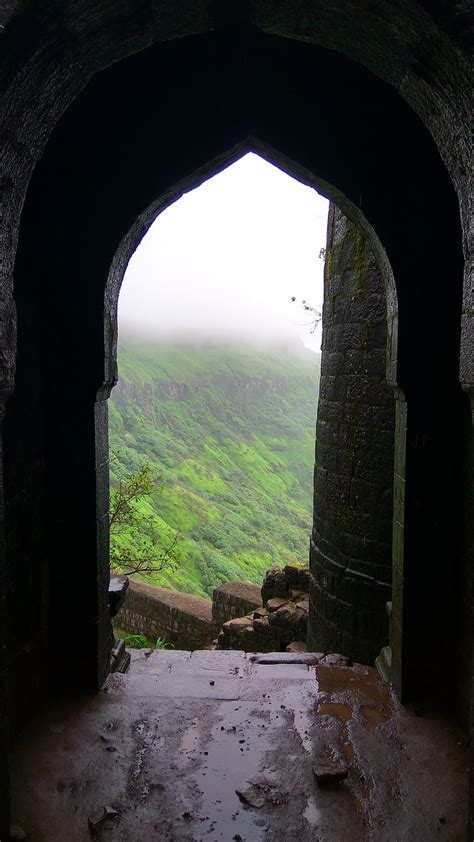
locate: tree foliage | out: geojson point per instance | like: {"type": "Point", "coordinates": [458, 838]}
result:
{"type": "Point", "coordinates": [137, 544]}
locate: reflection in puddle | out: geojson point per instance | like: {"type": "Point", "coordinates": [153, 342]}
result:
{"type": "Point", "coordinates": [302, 723]}
{"type": "Point", "coordinates": [349, 752]}
{"type": "Point", "coordinates": [234, 755]}
{"type": "Point", "coordinates": [312, 814]}
{"type": "Point", "coordinates": [190, 738]}
{"type": "Point", "coordinates": [374, 716]}
{"type": "Point", "coordinates": [338, 709]}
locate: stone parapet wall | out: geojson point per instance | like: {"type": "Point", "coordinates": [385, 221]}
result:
{"type": "Point", "coordinates": [234, 599]}
{"type": "Point", "coordinates": [185, 620]}
{"type": "Point", "coordinates": [180, 618]}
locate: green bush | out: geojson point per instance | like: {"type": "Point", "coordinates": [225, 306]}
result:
{"type": "Point", "coordinates": [137, 641]}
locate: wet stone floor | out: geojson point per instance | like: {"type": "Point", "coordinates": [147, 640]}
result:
{"type": "Point", "coordinates": [228, 747]}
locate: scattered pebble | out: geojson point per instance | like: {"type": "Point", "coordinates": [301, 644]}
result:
{"type": "Point", "coordinates": [98, 819]}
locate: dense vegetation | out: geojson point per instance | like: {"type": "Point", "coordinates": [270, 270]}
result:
{"type": "Point", "coordinates": [231, 433]}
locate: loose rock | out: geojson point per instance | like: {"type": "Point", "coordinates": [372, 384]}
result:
{"type": "Point", "coordinates": [98, 819]}
{"type": "Point", "coordinates": [336, 660]}
{"type": "Point", "coordinates": [275, 603]}
{"type": "Point", "coordinates": [330, 772]}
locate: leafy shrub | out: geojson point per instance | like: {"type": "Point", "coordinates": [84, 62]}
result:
{"type": "Point", "coordinates": [137, 641]}
{"type": "Point", "coordinates": [162, 644]}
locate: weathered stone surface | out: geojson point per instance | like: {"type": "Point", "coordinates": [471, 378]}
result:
{"type": "Point", "coordinates": [17, 833]}
{"type": "Point", "coordinates": [182, 619]}
{"type": "Point", "coordinates": [185, 747]}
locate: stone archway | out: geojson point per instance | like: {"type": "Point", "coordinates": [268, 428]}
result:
{"type": "Point", "coordinates": [110, 156]}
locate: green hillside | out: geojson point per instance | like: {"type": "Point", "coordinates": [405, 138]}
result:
{"type": "Point", "coordinates": [231, 432]}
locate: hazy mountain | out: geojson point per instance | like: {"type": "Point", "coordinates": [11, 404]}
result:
{"type": "Point", "coordinates": [231, 432]}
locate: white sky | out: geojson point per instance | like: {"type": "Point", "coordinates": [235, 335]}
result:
{"type": "Point", "coordinates": [224, 260]}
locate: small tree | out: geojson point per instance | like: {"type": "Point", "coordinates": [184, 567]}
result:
{"type": "Point", "coordinates": [315, 311]}
{"type": "Point", "coordinates": [136, 542]}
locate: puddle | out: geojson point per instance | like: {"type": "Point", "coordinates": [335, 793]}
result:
{"type": "Point", "coordinates": [374, 716]}
{"type": "Point", "coordinates": [349, 753]}
{"type": "Point", "coordinates": [190, 738]}
{"type": "Point", "coordinates": [312, 813]}
{"type": "Point", "coordinates": [337, 709]}
{"type": "Point", "coordinates": [303, 722]}
{"type": "Point", "coordinates": [234, 759]}
{"type": "Point", "coordinates": [358, 804]}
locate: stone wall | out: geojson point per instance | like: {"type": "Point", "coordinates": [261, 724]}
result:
{"type": "Point", "coordinates": [180, 618]}
{"type": "Point", "coordinates": [233, 599]}
{"type": "Point", "coordinates": [352, 532]}
{"type": "Point", "coordinates": [186, 621]}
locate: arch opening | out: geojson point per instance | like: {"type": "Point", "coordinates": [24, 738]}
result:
{"type": "Point", "coordinates": [372, 347]}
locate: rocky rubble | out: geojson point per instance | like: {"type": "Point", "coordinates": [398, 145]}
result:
{"type": "Point", "coordinates": [281, 623]}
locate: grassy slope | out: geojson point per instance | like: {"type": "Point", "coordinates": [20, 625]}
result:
{"type": "Point", "coordinates": [231, 431]}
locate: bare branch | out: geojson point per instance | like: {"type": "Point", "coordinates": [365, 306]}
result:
{"type": "Point", "coordinates": [310, 309]}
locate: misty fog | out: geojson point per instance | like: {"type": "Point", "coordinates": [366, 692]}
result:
{"type": "Point", "coordinates": [223, 262]}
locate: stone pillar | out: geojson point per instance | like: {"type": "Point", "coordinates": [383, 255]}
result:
{"type": "Point", "coordinates": [350, 553]}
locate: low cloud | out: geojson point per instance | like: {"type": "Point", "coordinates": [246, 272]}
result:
{"type": "Point", "coordinates": [223, 262]}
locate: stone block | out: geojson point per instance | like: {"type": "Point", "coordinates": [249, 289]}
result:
{"type": "Point", "coordinates": [303, 605]}
{"type": "Point", "coordinates": [275, 603]}
{"type": "Point", "coordinates": [238, 624]}
{"type": "Point", "coordinates": [261, 625]}
{"type": "Point", "coordinates": [354, 362]}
